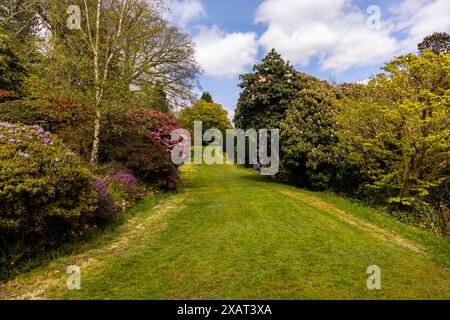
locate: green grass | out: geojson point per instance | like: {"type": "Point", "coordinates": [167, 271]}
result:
{"type": "Point", "coordinates": [231, 234]}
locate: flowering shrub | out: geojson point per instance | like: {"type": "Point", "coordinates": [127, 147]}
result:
{"type": "Point", "coordinates": [157, 124]}
{"type": "Point", "coordinates": [68, 119]}
{"type": "Point", "coordinates": [106, 210]}
{"type": "Point", "coordinates": [146, 144]}
{"type": "Point", "coordinates": [46, 194]}
{"type": "Point", "coordinates": [125, 189]}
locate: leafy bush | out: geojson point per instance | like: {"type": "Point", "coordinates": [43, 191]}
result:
{"type": "Point", "coordinates": [144, 137]}
{"type": "Point", "coordinates": [46, 194]}
{"type": "Point", "coordinates": [398, 132]}
{"type": "Point", "coordinates": [125, 188]}
{"type": "Point", "coordinates": [106, 206]}
{"type": "Point", "coordinates": [308, 134]}
{"type": "Point", "coordinates": [67, 118]}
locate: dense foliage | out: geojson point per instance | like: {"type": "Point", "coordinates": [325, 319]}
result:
{"type": "Point", "coordinates": [387, 143]}
{"type": "Point", "coordinates": [12, 69]}
{"type": "Point", "coordinates": [145, 139]}
{"type": "Point", "coordinates": [267, 93]}
{"type": "Point", "coordinates": [398, 132]}
{"type": "Point", "coordinates": [46, 194]}
{"type": "Point", "coordinates": [212, 115]}
{"type": "Point", "coordinates": [308, 134]}
{"type": "Point", "coordinates": [438, 42]}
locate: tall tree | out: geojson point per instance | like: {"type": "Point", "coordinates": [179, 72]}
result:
{"type": "Point", "coordinates": [398, 131]}
{"type": "Point", "coordinates": [122, 49]}
{"type": "Point", "coordinates": [267, 93]}
{"type": "Point", "coordinates": [206, 96]}
{"type": "Point", "coordinates": [438, 42]}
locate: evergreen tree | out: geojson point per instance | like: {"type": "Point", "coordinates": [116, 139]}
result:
{"type": "Point", "coordinates": [267, 93]}
{"type": "Point", "coordinates": [12, 69]}
{"type": "Point", "coordinates": [206, 96]}
{"type": "Point", "coordinates": [438, 42]}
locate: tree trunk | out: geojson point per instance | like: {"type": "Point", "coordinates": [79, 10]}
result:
{"type": "Point", "coordinates": [96, 141]}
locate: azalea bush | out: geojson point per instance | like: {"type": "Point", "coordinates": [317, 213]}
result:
{"type": "Point", "coordinates": [47, 196]}
{"type": "Point", "coordinates": [144, 137]}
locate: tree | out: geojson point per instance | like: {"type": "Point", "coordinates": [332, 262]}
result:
{"type": "Point", "coordinates": [213, 116]}
{"type": "Point", "coordinates": [267, 93]}
{"type": "Point", "coordinates": [398, 132]}
{"type": "Point", "coordinates": [438, 42]}
{"type": "Point", "coordinates": [206, 96]}
{"type": "Point", "coordinates": [308, 136]}
{"type": "Point", "coordinates": [124, 50]}
{"type": "Point", "coordinates": [12, 69]}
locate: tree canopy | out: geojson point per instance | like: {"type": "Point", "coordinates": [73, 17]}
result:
{"type": "Point", "coordinates": [398, 132]}
{"type": "Point", "coordinates": [213, 116]}
{"type": "Point", "coordinates": [438, 42]}
{"type": "Point", "coordinates": [207, 97]}
{"type": "Point", "coordinates": [267, 93]}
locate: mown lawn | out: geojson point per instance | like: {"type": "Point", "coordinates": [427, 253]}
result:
{"type": "Point", "coordinates": [231, 234]}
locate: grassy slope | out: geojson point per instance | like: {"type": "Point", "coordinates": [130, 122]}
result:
{"type": "Point", "coordinates": [230, 233]}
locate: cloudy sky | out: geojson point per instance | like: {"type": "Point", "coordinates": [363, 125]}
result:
{"type": "Point", "coordinates": [341, 40]}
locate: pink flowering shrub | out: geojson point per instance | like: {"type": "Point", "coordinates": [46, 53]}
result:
{"type": "Point", "coordinates": [46, 193]}
{"type": "Point", "coordinates": [144, 137]}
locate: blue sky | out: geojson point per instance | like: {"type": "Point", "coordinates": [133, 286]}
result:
{"type": "Point", "coordinates": [344, 40]}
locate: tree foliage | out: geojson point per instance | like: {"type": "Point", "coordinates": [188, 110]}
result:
{"type": "Point", "coordinates": [206, 96]}
{"type": "Point", "coordinates": [212, 115]}
{"type": "Point", "coordinates": [438, 42]}
{"type": "Point", "coordinates": [308, 135]}
{"type": "Point", "coordinates": [399, 131]}
{"type": "Point", "coordinates": [267, 93]}
{"type": "Point", "coordinates": [12, 69]}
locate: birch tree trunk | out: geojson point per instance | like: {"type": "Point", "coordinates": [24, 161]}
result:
{"type": "Point", "coordinates": [98, 114]}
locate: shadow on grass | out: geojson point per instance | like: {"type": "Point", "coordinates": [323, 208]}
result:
{"type": "Point", "coordinates": [90, 238]}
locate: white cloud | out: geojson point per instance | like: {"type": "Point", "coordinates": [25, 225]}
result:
{"type": "Point", "coordinates": [420, 18]}
{"type": "Point", "coordinates": [182, 12]}
{"type": "Point", "coordinates": [336, 33]}
{"type": "Point", "coordinates": [225, 54]}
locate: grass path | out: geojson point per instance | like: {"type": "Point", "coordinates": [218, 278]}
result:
{"type": "Point", "coordinates": [232, 234]}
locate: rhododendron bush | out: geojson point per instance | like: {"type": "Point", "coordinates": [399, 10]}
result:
{"type": "Point", "coordinates": [47, 195]}
{"type": "Point", "coordinates": [144, 137]}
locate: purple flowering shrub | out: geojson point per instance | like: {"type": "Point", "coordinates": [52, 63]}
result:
{"type": "Point", "coordinates": [125, 188]}
{"type": "Point", "coordinates": [106, 206]}
{"type": "Point", "coordinates": [46, 193]}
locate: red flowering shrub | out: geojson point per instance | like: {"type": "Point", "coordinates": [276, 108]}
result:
{"type": "Point", "coordinates": [68, 119]}
{"type": "Point", "coordinates": [144, 137]}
